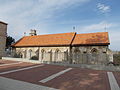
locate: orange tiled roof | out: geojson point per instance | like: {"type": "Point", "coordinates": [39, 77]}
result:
{"type": "Point", "coordinates": [100, 38]}
{"type": "Point", "coordinates": [46, 40]}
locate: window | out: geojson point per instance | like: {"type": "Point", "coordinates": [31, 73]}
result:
{"type": "Point", "coordinates": [37, 53]}
{"type": "Point", "coordinates": [94, 50]}
{"type": "Point", "coordinates": [77, 54]}
{"type": "Point", "coordinates": [57, 52]}
{"type": "Point", "coordinates": [94, 53]}
{"type": "Point", "coordinates": [20, 55]}
{"type": "Point", "coordinates": [66, 55]}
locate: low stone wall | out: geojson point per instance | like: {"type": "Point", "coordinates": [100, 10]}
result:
{"type": "Point", "coordinates": [21, 59]}
{"type": "Point", "coordinates": [94, 67]}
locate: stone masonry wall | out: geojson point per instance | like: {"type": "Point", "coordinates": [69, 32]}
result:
{"type": "Point", "coordinates": [44, 53]}
{"type": "Point", "coordinates": [90, 54]}
{"type": "Point", "coordinates": [79, 54]}
{"type": "Point", "coordinates": [3, 32]}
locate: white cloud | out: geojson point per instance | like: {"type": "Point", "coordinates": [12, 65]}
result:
{"type": "Point", "coordinates": [111, 28]}
{"type": "Point", "coordinates": [23, 15]}
{"type": "Point", "coordinates": [103, 8]}
{"type": "Point", "coordinates": [114, 39]}
{"type": "Point", "coordinates": [99, 27]}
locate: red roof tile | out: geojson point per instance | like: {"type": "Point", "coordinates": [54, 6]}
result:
{"type": "Point", "coordinates": [46, 40]}
{"type": "Point", "coordinates": [99, 38]}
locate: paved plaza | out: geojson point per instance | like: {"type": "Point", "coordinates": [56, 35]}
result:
{"type": "Point", "coordinates": [16, 75]}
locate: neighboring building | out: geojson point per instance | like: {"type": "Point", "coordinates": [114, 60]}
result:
{"type": "Point", "coordinates": [90, 48]}
{"type": "Point", "coordinates": [3, 34]}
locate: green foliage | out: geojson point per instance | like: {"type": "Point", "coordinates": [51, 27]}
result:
{"type": "Point", "coordinates": [9, 41]}
{"type": "Point", "coordinates": [17, 55]}
{"type": "Point", "coordinates": [116, 58]}
{"type": "Point", "coordinates": [34, 58]}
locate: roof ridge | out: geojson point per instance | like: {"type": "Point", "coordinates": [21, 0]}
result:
{"type": "Point", "coordinates": [51, 34]}
{"type": "Point", "coordinates": [92, 33]}
{"type": "Point", "coordinates": [73, 38]}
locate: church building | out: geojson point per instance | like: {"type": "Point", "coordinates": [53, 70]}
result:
{"type": "Point", "coordinates": [88, 48]}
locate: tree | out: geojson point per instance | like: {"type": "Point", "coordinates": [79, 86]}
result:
{"type": "Point", "coordinates": [116, 58]}
{"type": "Point", "coordinates": [9, 41]}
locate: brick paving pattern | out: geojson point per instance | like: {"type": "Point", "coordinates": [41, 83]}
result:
{"type": "Point", "coordinates": [75, 79]}
{"type": "Point", "coordinates": [117, 76]}
{"type": "Point", "coordinates": [81, 78]}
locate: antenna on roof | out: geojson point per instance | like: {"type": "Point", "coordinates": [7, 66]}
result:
{"type": "Point", "coordinates": [105, 28]}
{"type": "Point", "coordinates": [24, 33]}
{"type": "Point", "coordinates": [73, 28]}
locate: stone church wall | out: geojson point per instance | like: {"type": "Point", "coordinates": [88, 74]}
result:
{"type": "Point", "coordinates": [79, 54]}
{"type": "Point", "coordinates": [50, 54]}
{"type": "Point", "coordinates": [90, 54]}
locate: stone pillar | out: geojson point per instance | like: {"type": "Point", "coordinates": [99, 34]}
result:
{"type": "Point", "coordinates": [40, 54]}
{"type": "Point", "coordinates": [71, 55]}
{"type": "Point", "coordinates": [28, 54]}
{"type": "Point", "coordinates": [53, 56]}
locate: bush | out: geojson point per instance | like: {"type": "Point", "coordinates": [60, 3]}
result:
{"type": "Point", "coordinates": [17, 55]}
{"type": "Point", "coordinates": [34, 58]}
{"type": "Point", "coordinates": [116, 59]}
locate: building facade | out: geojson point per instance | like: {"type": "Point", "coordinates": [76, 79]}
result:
{"type": "Point", "coordinates": [3, 34]}
{"type": "Point", "coordinates": [90, 48]}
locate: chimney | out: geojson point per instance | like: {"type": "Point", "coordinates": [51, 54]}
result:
{"type": "Point", "coordinates": [32, 32]}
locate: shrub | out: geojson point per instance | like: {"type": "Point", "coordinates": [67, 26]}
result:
{"type": "Point", "coordinates": [116, 59]}
{"type": "Point", "coordinates": [17, 55]}
{"type": "Point", "coordinates": [34, 58]}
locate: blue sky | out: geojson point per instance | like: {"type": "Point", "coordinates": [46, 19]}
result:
{"type": "Point", "coordinates": [59, 16]}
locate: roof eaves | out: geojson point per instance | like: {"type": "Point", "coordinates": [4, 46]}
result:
{"type": "Point", "coordinates": [91, 44]}
{"type": "Point", "coordinates": [13, 45]}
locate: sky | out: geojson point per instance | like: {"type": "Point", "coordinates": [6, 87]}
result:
{"type": "Point", "coordinates": [60, 16]}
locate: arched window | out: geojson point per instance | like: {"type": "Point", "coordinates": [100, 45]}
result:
{"type": "Point", "coordinates": [20, 55]}
{"type": "Point", "coordinates": [42, 53]}
{"type": "Point", "coordinates": [66, 55]}
{"type": "Point", "coordinates": [37, 53]}
{"type": "Point", "coordinates": [77, 53]}
{"type": "Point", "coordinates": [30, 53]}
{"type": "Point", "coordinates": [94, 50]}
{"type": "Point", "coordinates": [57, 52]}
{"type": "Point", "coordinates": [94, 54]}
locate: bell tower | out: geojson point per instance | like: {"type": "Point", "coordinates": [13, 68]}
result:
{"type": "Point", "coordinates": [32, 32]}
{"type": "Point", "coordinates": [3, 34]}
